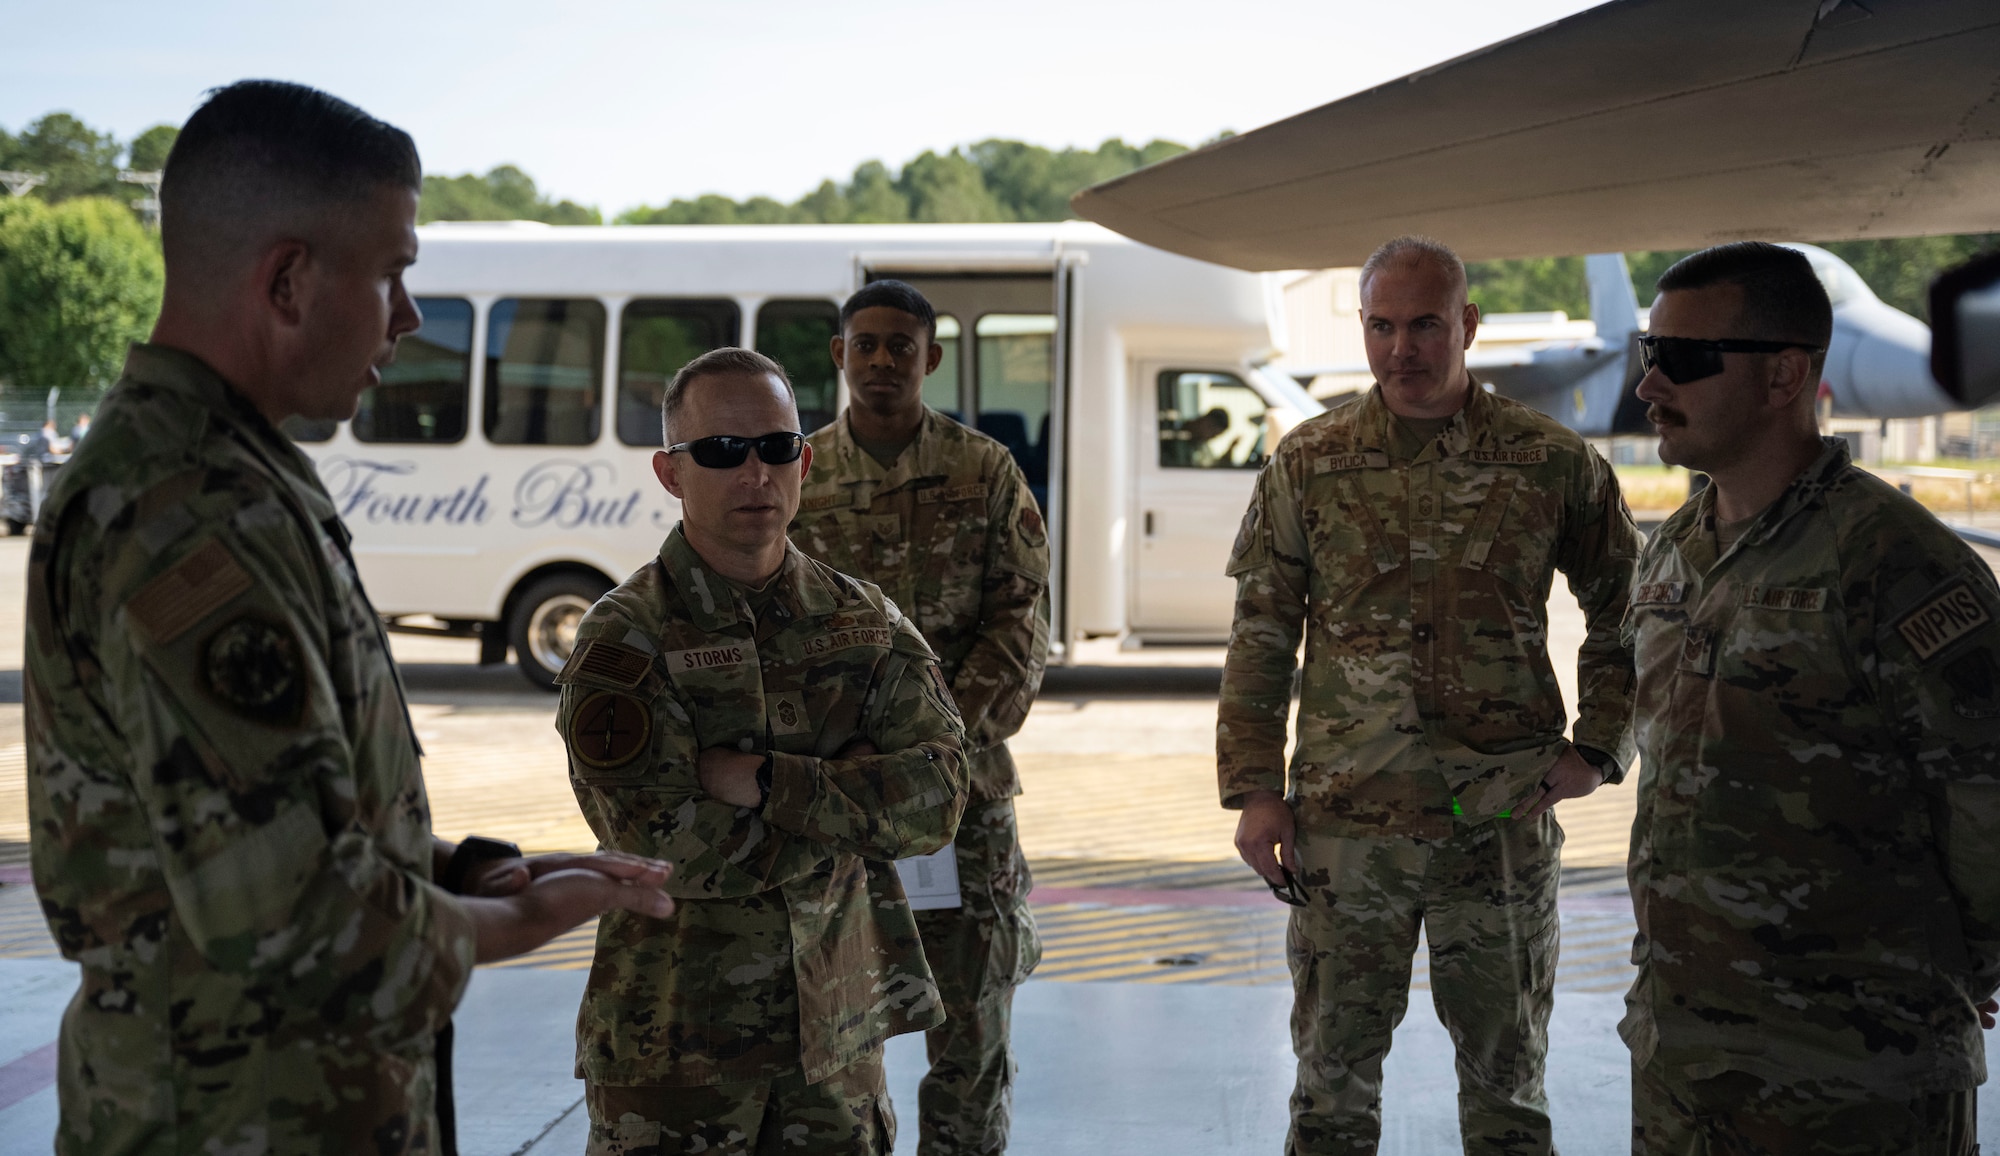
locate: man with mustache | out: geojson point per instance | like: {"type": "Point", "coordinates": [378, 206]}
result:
{"type": "Point", "coordinates": [229, 827]}
{"type": "Point", "coordinates": [1412, 534]}
{"type": "Point", "coordinates": [941, 517]}
{"type": "Point", "coordinates": [782, 731]}
{"type": "Point", "coordinates": [1815, 866]}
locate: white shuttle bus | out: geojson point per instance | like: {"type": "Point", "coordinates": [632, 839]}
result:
{"type": "Point", "coordinates": [499, 478]}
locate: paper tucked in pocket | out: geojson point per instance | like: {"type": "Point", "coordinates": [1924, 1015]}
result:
{"type": "Point", "coordinates": [931, 881]}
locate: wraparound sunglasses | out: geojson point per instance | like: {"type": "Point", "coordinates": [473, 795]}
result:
{"type": "Point", "coordinates": [726, 451]}
{"type": "Point", "coordinates": [1685, 359]}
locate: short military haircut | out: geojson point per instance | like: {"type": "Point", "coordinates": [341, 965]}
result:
{"type": "Point", "coordinates": [1783, 299]}
{"type": "Point", "coordinates": [895, 295]}
{"type": "Point", "coordinates": [727, 361]}
{"type": "Point", "coordinates": [1415, 249]}
{"type": "Point", "coordinates": [263, 160]}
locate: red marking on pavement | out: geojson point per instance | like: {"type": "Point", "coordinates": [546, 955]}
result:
{"type": "Point", "coordinates": [1129, 897]}
{"type": "Point", "coordinates": [27, 1075]}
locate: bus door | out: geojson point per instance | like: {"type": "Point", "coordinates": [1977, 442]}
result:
{"type": "Point", "coordinates": [1003, 370]}
{"type": "Point", "coordinates": [1202, 440]}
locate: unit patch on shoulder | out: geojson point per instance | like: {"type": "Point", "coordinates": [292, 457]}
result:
{"type": "Point", "coordinates": [609, 729]}
{"type": "Point", "coordinates": [1032, 529]}
{"type": "Point", "coordinates": [1533, 457]}
{"type": "Point", "coordinates": [1975, 685]}
{"type": "Point", "coordinates": [198, 586]}
{"type": "Point", "coordinates": [252, 666]}
{"type": "Point", "coordinates": [786, 714]}
{"type": "Point", "coordinates": [939, 690]}
{"type": "Point", "coordinates": [607, 663]}
{"type": "Point", "coordinates": [1943, 620]}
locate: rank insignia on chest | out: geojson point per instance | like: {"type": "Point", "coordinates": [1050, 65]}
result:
{"type": "Point", "coordinates": [787, 714]}
{"type": "Point", "coordinates": [609, 729]}
{"type": "Point", "coordinates": [252, 666]}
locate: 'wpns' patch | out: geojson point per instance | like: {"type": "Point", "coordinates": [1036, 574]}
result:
{"type": "Point", "coordinates": [609, 729]}
{"type": "Point", "coordinates": [1943, 620]}
{"type": "Point", "coordinates": [252, 667]}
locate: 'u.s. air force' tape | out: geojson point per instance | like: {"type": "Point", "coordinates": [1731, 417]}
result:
{"type": "Point", "coordinates": [931, 881]}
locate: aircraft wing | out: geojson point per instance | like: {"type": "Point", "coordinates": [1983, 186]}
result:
{"type": "Point", "coordinates": [1639, 124]}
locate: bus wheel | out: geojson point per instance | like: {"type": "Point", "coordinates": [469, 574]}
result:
{"type": "Point", "coordinates": [543, 627]}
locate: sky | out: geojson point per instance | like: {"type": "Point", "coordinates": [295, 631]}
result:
{"type": "Point", "coordinates": [617, 103]}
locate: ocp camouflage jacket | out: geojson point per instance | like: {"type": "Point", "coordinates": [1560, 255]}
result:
{"type": "Point", "coordinates": [952, 534]}
{"type": "Point", "coordinates": [1422, 590]}
{"type": "Point", "coordinates": [794, 945]}
{"type": "Point", "coordinates": [230, 833]}
{"type": "Point", "coordinates": [1816, 860]}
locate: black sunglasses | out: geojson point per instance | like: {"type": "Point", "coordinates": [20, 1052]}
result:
{"type": "Point", "coordinates": [1686, 359]}
{"type": "Point", "coordinates": [726, 451]}
{"type": "Point", "coordinates": [1287, 892]}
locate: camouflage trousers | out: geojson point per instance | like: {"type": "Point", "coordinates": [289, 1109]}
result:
{"type": "Point", "coordinates": [979, 953]}
{"type": "Point", "coordinates": [846, 1114]}
{"type": "Point", "coordinates": [1485, 899]}
{"type": "Point", "coordinates": [1739, 1114]}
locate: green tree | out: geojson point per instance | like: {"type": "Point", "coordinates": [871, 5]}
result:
{"type": "Point", "coordinates": [993, 180]}
{"type": "Point", "coordinates": [505, 193]}
{"type": "Point", "coordinates": [148, 151]}
{"type": "Point", "coordinates": [79, 161]}
{"type": "Point", "coordinates": [1529, 285]}
{"type": "Point", "coordinates": [78, 281]}
{"type": "Point", "coordinates": [948, 188]}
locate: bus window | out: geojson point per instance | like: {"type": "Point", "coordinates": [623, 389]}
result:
{"type": "Point", "coordinates": [1016, 375]}
{"type": "Point", "coordinates": [544, 363]}
{"type": "Point", "coordinates": [1210, 421]}
{"type": "Point", "coordinates": [797, 335]}
{"type": "Point", "coordinates": [422, 397]}
{"type": "Point", "coordinates": [941, 388]}
{"type": "Point", "coordinates": [655, 339]}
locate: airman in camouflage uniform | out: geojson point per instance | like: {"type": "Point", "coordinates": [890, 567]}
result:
{"type": "Point", "coordinates": [755, 1021]}
{"type": "Point", "coordinates": [1417, 560]}
{"type": "Point", "coordinates": [229, 831]}
{"type": "Point", "coordinates": [1815, 865]}
{"type": "Point", "coordinates": [950, 531]}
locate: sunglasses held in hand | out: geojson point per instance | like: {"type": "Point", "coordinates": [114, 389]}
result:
{"type": "Point", "coordinates": [726, 451]}
{"type": "Point", "coordinates": [1686, 359]}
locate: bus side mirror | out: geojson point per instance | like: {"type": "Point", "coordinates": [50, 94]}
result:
{"type": "Point", "coordinates": [1965, 331]}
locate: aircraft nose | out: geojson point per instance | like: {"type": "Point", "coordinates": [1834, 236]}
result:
{"type": "Point", "coordinates": [1887, 369]}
